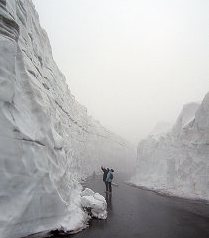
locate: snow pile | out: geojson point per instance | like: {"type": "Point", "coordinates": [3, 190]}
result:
{"type": "Point", "coordinates": [95, 202]}
{"type": "Point", "coordinates": [47, 140]}
{"type": "Point", "coordinates": [177, 162]}
{"type": "Point", "coordinates": [161, 128]}
{"type": "Point", "coordinates": [186, 116]}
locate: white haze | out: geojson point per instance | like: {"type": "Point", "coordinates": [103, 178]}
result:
{"type": "Point", "coordinates": [131, 63]}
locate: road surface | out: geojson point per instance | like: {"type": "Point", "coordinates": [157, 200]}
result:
{"type": "Point", "coordinates": [133, 212]}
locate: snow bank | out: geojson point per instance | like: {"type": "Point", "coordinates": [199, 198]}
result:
{"type": "Point", "coordinates": [95, 202]}
{"type": "Point", "coordinates": [161, 128]}
{"type": "Point", "coordinates": [47, 140]}
{"type": "Point", "coordinates": [177, 162]}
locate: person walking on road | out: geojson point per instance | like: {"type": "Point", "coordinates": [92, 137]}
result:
{"type": "Point", "coordinates": [105, 172]}
{"type": "Point", "coordinates": [109, 180]}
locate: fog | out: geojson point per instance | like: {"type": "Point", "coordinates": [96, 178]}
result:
{"type": "Point", "coordinates": [131, 63]}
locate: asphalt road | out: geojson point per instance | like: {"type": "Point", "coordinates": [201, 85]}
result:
{"type": "Point", "coordinates": [133, 212]}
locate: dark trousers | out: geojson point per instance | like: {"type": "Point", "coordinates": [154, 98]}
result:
{"type": "Point", "coordinates": [106, 184]}
{"type": "Point", "coordinates": [110, 186]}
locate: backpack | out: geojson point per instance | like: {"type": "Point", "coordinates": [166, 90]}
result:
{"type": "Point", "coordinates": [111, 176]}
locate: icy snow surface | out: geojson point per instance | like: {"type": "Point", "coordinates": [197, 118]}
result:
{"type": "Point", "coordinates": [178, 161]}
{"type": "Point", "coordinates": [47, 140]}
{"type": "Point", "coordinates": [95, 202]}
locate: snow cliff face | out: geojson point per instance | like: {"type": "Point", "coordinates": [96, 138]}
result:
{"type": "Point", "coordinates": [178, 162]}
{"type": "Point", "coordinates": [161, 128]}
{"type": "Point", "coordinates": [47, 140]}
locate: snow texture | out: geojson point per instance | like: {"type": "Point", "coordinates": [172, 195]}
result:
{"type": "Point", "coordinates": [161, 128]}
{"type": "Point", "coordinates": [95, 202]}
{"type": "Point", "coordinates": [177, 162]}
{"type": "Point", "coordinates": [47, 140]}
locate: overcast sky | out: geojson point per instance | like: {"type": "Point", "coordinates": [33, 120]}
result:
{"type": "Point", "coordinates": [132, 63]}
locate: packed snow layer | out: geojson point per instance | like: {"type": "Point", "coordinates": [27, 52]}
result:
{"type": "Point", "coordinates": [177, 162]}
{"type": "Point", "coordinates": [47, 140]}
{"type": "Point", "coordinates": [161, 128]}
{"type": "Point", "coordinates": [95, 202]}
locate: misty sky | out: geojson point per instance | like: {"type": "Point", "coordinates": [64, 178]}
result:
{"type": "Point", "coordinates": [132, 63]}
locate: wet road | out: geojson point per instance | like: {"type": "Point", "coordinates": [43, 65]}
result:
{"type": "Point", "coordinates": [134, 212]}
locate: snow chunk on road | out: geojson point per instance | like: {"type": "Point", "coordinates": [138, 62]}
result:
{"type": "Point", "coordinates": [94, 201]}
{"type": "Point", "coordinates": [87, 192]}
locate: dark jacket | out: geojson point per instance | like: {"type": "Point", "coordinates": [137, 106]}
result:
{"type": "Point", "coordinates": [105, 172]}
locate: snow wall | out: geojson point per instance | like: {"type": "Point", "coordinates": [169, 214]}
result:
{"type": "Point", "coordinates": [47, 140]}
{"type": "Point", "coordinates": [177, 162]}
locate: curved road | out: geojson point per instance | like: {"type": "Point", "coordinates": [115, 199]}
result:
{"type": "Point", "coordinates": [133, 212]}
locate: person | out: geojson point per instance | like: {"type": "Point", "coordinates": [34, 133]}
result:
{"type": "Point", "coordinates": [109, 180]}
{"type": "Point", "coordinates": [105, 172]}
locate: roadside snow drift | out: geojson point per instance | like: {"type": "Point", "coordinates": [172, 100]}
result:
{"type": "Point", "coordinates": [95, 202]}
{"type": "Point", "coordinates": [47, 140]}
{"type": "Point", "coordinates": [177, 162]}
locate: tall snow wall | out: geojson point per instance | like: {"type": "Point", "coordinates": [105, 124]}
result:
{"type": "Point", "coordinates": [47, 140]}
{"type": "Point", "coordinates": [177, 162]}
